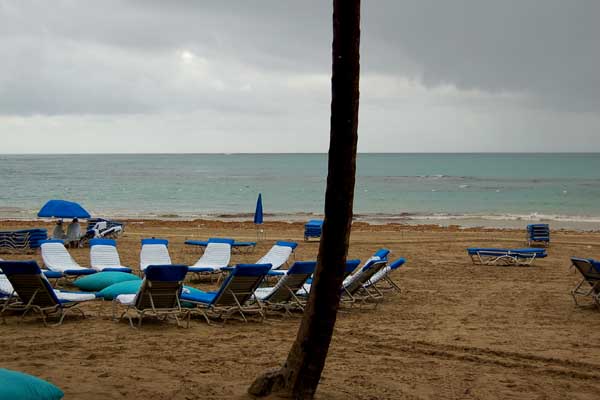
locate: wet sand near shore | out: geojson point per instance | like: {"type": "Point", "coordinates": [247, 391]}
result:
{"type": "Point", "coordinates": [456, 331]}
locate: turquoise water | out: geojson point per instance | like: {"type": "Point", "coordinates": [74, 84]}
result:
{"type": "Point", "coordinates": [388, 185]}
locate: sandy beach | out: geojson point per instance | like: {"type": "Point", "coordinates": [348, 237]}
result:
{"type": "Point", "coordinates": [457, 331]}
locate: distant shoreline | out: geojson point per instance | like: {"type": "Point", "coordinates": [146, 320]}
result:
{"type": "Point", "coordinates": [500, 221]}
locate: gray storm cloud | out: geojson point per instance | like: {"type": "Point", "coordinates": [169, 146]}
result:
{"type": "Point", "coordinates": [466, 67]}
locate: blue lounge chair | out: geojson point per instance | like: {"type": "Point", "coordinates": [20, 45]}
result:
{"type": "Point", "coordinates": [351, 265]}
{"type": "Point", "coordinates": [538, 233]}
{"type": "Point", "coordinates": [234, 294]}
{"type": "Point", "coordinates": [158, 295]}
{"type": "Point", "coordinates": [36, 294]}
{"type": "Point", "coordinates": [356, 288]}
{"type": "Point", "coordinates": [495, 256]}
{"type": "Point", "coordinates": [589, 286]}
{"type": "Point", "coordinates": [384, 276]}
{"type": "Point", "coordinates": [283, 294]}
{"type": "Point", "coordinates": [313, 229]}
{"type": "Point", "coordinates": [104, 256]}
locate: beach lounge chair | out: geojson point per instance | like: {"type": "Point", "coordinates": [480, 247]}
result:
{"type": "Point", "coordinates": [104, 256]}
{"type": "Point", "coordinates": [283, 294]}
{"type": "Point", "coordinates": [589, 286]}
{"type": "Point", "coordinates": [215, 257]}
{"type": "Point", "coordinates": [383, 276]}
{"type": "Point", "coordinates": [233, 295]}
{"type": "Point", "coordinates": [494, 256]}
{"type": "Point", "coordinates": [154, 252]}
{"type": "Point", "coordinates": [357, 287]}
{"type": "Point", "coordinates": [158, 295]}
{"type": "Point", "coordinates": [538, 234]}
{"type": "Point", "coordinates": [351, 265]}
{"type": "Point", "coordinates": [36, 294]}
{"type": "Point", "coordinates": [279, 254]}
{"type": "Point", "coordinates": [57, 258]}
{"type": "Point", "coordinates": [313, 228]}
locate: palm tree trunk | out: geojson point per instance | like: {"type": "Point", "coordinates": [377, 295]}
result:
{"type": "Point", "coordinates": [299, 376]}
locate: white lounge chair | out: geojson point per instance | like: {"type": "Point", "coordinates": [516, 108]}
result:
{"type": "Point", "coordinates": [215, 257]}
{"type": "Point", "coordinates": [57, 258]}
{"type": "Point", "coordinates": [279, 254]}
{"type": "Point", "coordinates": [104, 256]}
{"type": "Point", "coordinates": [154, 252]}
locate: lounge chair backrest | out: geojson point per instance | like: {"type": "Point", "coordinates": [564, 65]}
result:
{"type": "Point", "coordinates": [29, 283]}
{"type": "Point", "coordinates": [362, 276]}
{"type": "Point", "coordinates": [382, 253]}
{"type": "Point", "coordinates": [103, 253]}
{"type": "Point", "coordinates": [291, 282]}
{"type": "Point", "coordinates": [56, 257]}
{"type": "Point", "coordinates": [161, 287]}
{"type": "Point", "coordinates": [350, 267]}
{"type": "Point", "coordinates": [216, 254]}
{"type": "Point", "coordinates": [154, 252]}
{"type": "Point", "coordinates": [587, 268]}
{"type": "Point", "coordinates": [278, 254]}
{"type": "Point", "coordinates": [240, 284]}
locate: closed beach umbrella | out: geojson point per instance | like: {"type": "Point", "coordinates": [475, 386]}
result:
{"type": "Point", "coordinates": [63, 209]}
{"type": "Point", "coordinates": [258, 214]}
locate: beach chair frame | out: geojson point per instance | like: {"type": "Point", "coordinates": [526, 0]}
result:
{"type": "Point", "coordinates": [589, 285]}
{"type": "Point", "coordinates": [33, 292]}
{"type": "Point", "coordinates": [284, 297]}
{"type": "Point", "coordinates": [234, 295]}
{"type": "Point", "coordinates": [155, 297]}
{"type": "Point", "coordinates": [505, 257]}
{"type": "Point", "coordinates": [358, 290]}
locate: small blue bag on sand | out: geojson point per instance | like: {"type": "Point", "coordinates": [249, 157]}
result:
{"type": "Point", "coordinates": [19, 386]}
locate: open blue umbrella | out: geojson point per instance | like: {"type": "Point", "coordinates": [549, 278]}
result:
{"type": "Point", "coordinates": [63, 209]}
{"type": "Point", "coordinates": [258, 214]}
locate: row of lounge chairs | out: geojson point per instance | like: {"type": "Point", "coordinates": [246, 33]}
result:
{"type": "Point", "coordinates": [162, 294]}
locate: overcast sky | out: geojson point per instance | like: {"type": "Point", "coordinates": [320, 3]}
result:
{"type": "Point", "coordinates": [254, 76]}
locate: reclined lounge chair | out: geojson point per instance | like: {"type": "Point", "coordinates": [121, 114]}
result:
{"type": "Point", "coordinates": [357, 287]}
{"type": "Point", "coordinates": [279, 254]}
{"type": "Point", "coordinates": [234, 294]}
{"type": "Point", "coordinates": [493, 256]}
{"type": "Point", "coordinates": [589, 286]}
{"type": "Point", "coordinates": [215, 257]}
{"type": "Point", "coordinates": [104, 256]}
{"type": "Point", "coordinates": [283, 294]}
{"type": "Point", "coordinates": [158, 295]}
{"type": "Point", "coordinates": [36, 294]}
{"type": "Point", "coordinates": [57, 258]}
{"type": "Point", "coordinates": [383, 276]}
{"type": "Point", "coordinates": [351, 265]}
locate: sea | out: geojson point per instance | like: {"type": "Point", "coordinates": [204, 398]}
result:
{"type": "Point", "coordinates": [500, 190]}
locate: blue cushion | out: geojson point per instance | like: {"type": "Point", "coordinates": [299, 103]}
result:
{"type": "Point", "coordinates": [19, 386]}
{"type": "Point", "coordinates": [104, 279]}
{"type": "Point", "coordinates": [198, 296]}
{"type": "Point", "coordinates": [127, 287]}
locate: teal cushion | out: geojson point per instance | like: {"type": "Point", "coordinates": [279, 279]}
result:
{"type": "Point", "coordinates": [127, 287]}
{"type": "Point", "coordinates": [130, 287]}
{"type": "Point", "coordinates": [101, 280]}
{"type": "Point", "coordinates": [192, 291]}
{"type": "Point", "coordinates": [19, 386]}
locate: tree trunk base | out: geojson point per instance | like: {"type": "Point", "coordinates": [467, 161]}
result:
{"type": "Point", "coordinates": [271, 381]}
